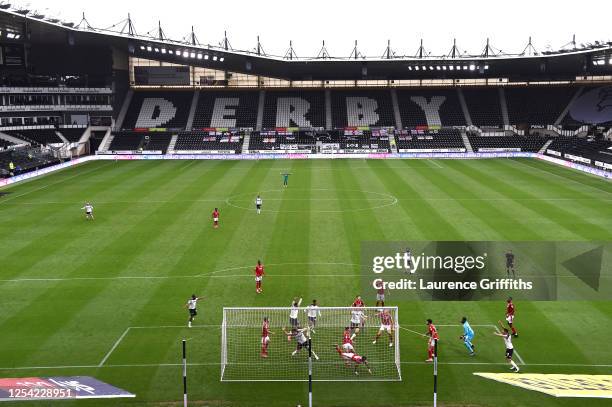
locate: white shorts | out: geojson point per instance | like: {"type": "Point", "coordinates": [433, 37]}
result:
{"type": "Point", "coordinates": [215, 219]}
{"type": "Point", "coordinates": [380, 297]}
{"type": "Point", "coordinates": [432, 342]}
{"type": "Point", "coordinates": [258, 278]}
{"type": "Point", "coordinates": [385, 328]}
{"type": "Point", "coordinates": [265, 340]}
{"type": "Point", "coordinates": [510, 319]}
{"type": "Point", "coordinates": [347, 355]}
{"type": "Point", "coordinates": [347, 347]}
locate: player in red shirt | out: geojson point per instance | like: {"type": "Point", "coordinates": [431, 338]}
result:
{"type": "Point", "coordinates": [358, 302]}
{"type": "Point", "coordinates": [215, 218]}
{"type": "Point", "coordinates": [386, 324]}
{"type": "Point", "coordinates": [380, 294]}
{"type": "Point", "coordinates": [259, 273]}
{"type": "Point", "coordinates": [432, 337]}
{"type": "Point", "coordinates": [347, 340]}
{"type": "Point", "coordinates": [352, 357]}
{"type": "Point", "coordinates": [510, 316]}
{"type": "Point", "coordinates": [265, 337]}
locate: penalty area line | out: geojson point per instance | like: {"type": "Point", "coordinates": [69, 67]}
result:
{"type": "Point", "coordinates": [117, 342]}
{"type": "Point", "coordinates": [219, 363]}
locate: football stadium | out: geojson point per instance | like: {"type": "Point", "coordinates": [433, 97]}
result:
{"type": "Point", "coordinates": [191, 224]}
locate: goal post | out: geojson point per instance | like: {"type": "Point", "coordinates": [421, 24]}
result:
{"type": "Point", "coordinates": [241, 345]}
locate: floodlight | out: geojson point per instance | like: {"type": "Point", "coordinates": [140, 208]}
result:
{"type": "Point", "coordinates": [472, 67]}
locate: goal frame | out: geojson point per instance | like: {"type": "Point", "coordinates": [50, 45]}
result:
{"type": "Point", "coordinates": [396, 327]}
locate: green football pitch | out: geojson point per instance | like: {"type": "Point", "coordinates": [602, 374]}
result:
{"type": "Point", "coordinates": [105, 298]}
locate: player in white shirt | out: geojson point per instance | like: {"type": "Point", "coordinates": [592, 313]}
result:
{"type": "Point", "coordinates": [301, 336]}
{"type": "Point", "coordinates": [192, 305]}
{"type": "Point", "coordinates": [312, 311]}
{"type": "Point", "coordinates": [293, 313]}
{"type": "Point", "coordinates": [88, 211]}
{"type": "Point", "coordinates": [258, 203]}
{"type": "Point", "coordinates": [357, 319]}
{"type": "Point", "coordinates": [507, 337]}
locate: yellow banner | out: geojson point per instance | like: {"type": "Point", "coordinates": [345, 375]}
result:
{"type": "Point", "coordinates": [558, 385]}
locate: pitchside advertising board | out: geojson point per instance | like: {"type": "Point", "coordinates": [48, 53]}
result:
{"type": "Point", "coordinates": [480, 270]}
{"type": "Point", "coordinates": [55, 388]}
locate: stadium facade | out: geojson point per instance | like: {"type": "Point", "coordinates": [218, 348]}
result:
{"type": "Point", "coordinates": [71, 90]}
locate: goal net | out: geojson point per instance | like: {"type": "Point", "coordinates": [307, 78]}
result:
{"type": "Point", "coordinates": [241, 347]}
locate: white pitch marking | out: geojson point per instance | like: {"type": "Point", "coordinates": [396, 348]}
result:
{"type": "Point", "coordinates": [414, 332]}
{"type": "Point", "coordinates": [218, 363]}
{"type": "Point", "coordinates": [51, 184]}
{"type": "Point", "coordinates": [117, 342]}
{"type": "Point", "coordinates": [211, 274]}
{"type": "Point", "coordinates": [561, 176]}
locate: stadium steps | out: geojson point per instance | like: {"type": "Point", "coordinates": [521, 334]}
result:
{"type": "Point", "coordinates": [466, 143]}
{"type": "Point", "coordinates": [12, 139]}
{"type": "Point", "coordinates": [172, 144]}
{"type": "Point", "coordinates": [124, 109]}
{"type": "Point", "coordinates": [567, 108]}
{"type": "Point", "coordinates": [545, 146]}
{"type": "Point", "coordinates": [61, 136]}
{"type": "Point", "coordinates": [260, 110]}
{"type": "Point", "coordinates": [396, 111]}
{"type": "Point", "coordinates": [504, 106]}
{"type": "Point", "coordinates": [106, 141]}
{"type": "Point", "coordinates": [328, 110]}
{"type": "Point", "coordinates": [464, 108]}
{"type": "Point", "coordinates": [246, 141]}
{"type": "Point", "coordinates": [192, 110]}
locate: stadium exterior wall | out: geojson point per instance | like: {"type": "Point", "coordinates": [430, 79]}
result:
{"type": "Point", "coordinates": [453, 156]}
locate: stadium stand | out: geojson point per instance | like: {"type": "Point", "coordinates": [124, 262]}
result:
{"type": "Point", "coordinates": [25, 159]}
{"type": "Point", "coordinates": [429, 140]}
{"type": "Point", "coordinates": [353, 108]}
{"type": "Point", "coordinates": [364, 141]}
{"type": "Point", "coordinates": [72, 135]}
{"type": "Point", "coordinates": [4, 144]}
{"type": "Point", "coordinates": [95, 140]}
{"type": "Point", "coordinates": [209, 141]}
{"type": "Point", "coordinates": [126, 141]}
{"type": "Point", "coordinates": [38, 136]}
{"type": "Point", "coordinates": [537, 106]}
{"type": "Point", "coordinates": [425, 107]}
{"type": "Point", "coordinates": [294, 109]}
{"type": "Point", "coordinates": [587, 147]}
{"type": "Point", "coordinates": [158, 110]}
{"type": "Point", "coordinates": [272, 140]}
{"type": "Point", "coordinates": [226, 109]}
{"type": "Point", "coordinates": [592, 106]}
{"type": "Point", "coordinates": [484, 107]}
{"type": "Point", "coordinates": [506, 143]}
{"type": "Point", "coordinates": [156, 141]}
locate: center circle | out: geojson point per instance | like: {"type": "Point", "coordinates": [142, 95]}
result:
{"type": "Point", "coordinates": [318, 200]}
